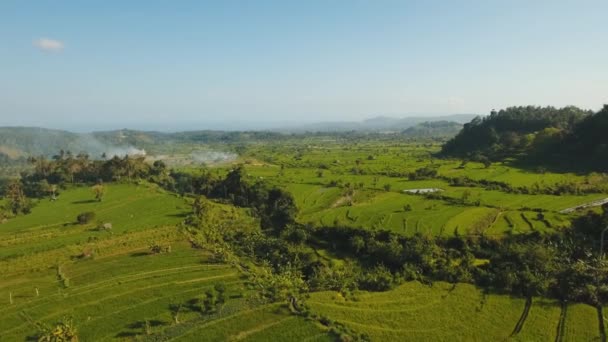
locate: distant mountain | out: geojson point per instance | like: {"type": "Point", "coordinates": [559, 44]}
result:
{"type": "Point", "coordinates": [23, 141]}
{"type": "Point", "coordinates": [18, 142]}
{"type": "Point", "coordinates": [376, 124]}
{"type": "Point", "coordinates": [434, 129]}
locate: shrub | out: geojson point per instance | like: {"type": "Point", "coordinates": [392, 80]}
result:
{"type": "Point", "coordinates": [157, 248]}
{"type": "Point", "coordinates": [86, 217]}
{"type": "Point", "coordinates": [377, 279]}
{"type": "Point", "coordinates": [64, 330]}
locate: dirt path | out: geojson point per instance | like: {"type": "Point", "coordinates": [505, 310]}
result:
{"type": "Point", "coordinates": [596, 203]}
{"type": "Point", "coordinates": [344, 200]}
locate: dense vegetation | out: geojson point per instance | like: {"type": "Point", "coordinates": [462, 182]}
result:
{"type": "Point", "coordinates": [545, 134]}
{"type": "Point", "coordinates": [18, 143]}
{"type": "Point", "coordinates": [312, 236]}
{"type": "Point", "coordinates": [418, 257]}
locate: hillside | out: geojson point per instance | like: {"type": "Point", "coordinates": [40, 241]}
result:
{"type": "Point", "coordinates": [445, 312]}
{"type": "Point", "coordinates": [538, 135]}
{"type": "Point", "coordinates": [587, 143]}
{"type": "Point", "coordinates": [312, 238]}
{"type": "Point", "coordinates": [376, 124]}
{"type": "Point", "coordinates": [433, 129]}
{"type": "Point", "coordinates": [22, 142]}
{"type": "Point", "coordinates": [113, 287]}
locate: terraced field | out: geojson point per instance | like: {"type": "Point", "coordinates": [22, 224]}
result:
{"type": "Point", "coordinates": [416, 312]}
{"type": "Point", "coordinates": [119, 290]}
{"type": "Point", "coordinates": [375, 209]}
{"type": "Point", "coordinates": [115, 288]}
{"type": "Point", "coordinates": [319, 179]}
{"type": "Point", "coordinates": [112, 297]}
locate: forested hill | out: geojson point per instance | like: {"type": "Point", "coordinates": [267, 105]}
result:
{"type": "Point", "coordinates": [437, 129]}
{"type": "Point", "coordinates": [547, 135]}
{"type": "Point", "coordinates": [18, 142]}
{"type": "Point", "coordinates": [22, 142]}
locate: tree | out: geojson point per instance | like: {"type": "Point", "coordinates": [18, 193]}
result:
{"type": "Point", "coordinates": [280, 210]}
{"type": "Point", "coordinates": [465, 196]}
{"type": "Point", "coordinates": [17, 202]}
{"type": "Point", "coordinates": [357, 243]}
{"type": "Point", "coordinates": [64, 331]}
{"type": "Point", "coordinates": [200, 207]}
{"type": "Point", "coordinates": [99, 190]}
{"type": "Point", "coordinates": [86, 217]}
{"type": "Point", "coordinates": [214, 298]}
{"type": "Point", "coordinates": [157, 248]}
{"type": "Point", "coordinates": [486, 163]}
{"type": "Point", "coordinates": [210, 301]}
{"type": "Point", "coordinates": [52, 190]}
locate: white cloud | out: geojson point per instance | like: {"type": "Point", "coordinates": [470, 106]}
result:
{"type": "Point", "coordinates": [51, 45]}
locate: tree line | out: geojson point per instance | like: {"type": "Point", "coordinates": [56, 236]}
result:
{"type": "Point", "coordinates": [566, 265]}
{"type": "Point", "coordinates": [545, 135]}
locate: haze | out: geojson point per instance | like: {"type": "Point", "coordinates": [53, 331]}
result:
{"type": "Point", "coordinates": [235, 64]}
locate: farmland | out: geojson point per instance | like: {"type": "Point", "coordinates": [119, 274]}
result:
{"type": "Point", "coordinates": [303, 171]}
{"type": "Point", "coordinates": [310, 239]}
{"type": "Point", "coordinates": [443, 312]}
{"type": "Point", "coordinates": [363, 186]}
{"type": "Point", "coordinates": [121, 288]}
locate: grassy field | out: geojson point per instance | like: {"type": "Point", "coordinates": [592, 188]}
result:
{"type": "Point", "coordinates": [112, 297]}
{"type": "Point", "coordinates": [52, 224]}
{"type": "Point", "coordinates": [363, 185]}
{"type": "Point", "coordinates": [114, 288]}
{"type": "Point", "coordinates": [416, 312]}
{"type": "Point", "coordinates": [112, 293]}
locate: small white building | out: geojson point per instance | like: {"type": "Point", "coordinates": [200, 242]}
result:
{"type": "Point", "coordinates": [422, 191]}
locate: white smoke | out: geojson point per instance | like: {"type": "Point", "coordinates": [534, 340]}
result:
{"type": "Point", "coordinates": [124, 151]}
{"type": "Point", "coordinates": [213, 156]}
{"type": "Point", "coordinates": [93, 146]}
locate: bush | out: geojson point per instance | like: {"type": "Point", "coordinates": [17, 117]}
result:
{"type": "Point", "coordinates": [86, 217]}
{"type": "Point", "coordinates": [377, 279]}
{"type": "Point", "coordinates": [427, 172]}
{"type": "Point", "coordinates": [157, 248]}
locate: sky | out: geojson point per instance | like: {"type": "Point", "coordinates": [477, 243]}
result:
{"type": "Point", "coordinates": [171, 65]}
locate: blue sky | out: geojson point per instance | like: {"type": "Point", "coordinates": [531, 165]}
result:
{"type": "Point", "coordinates": [198, 64]}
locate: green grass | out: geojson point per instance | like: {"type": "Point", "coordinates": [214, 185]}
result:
{"type": "Point", "coordinates": [372, 207]}
{"type": "Point", "coordinates": [260, 323]}
{"type": "Point", "coordinates": [52, 225]}
{"type": "Point", "coordinates": [416, 312]}
{"type": "Point", "coordinates": [370, 165]}
{"type": "Point", "coordinates": [111, 294]}
{"type": "Point", "coordinates": [581, 323]}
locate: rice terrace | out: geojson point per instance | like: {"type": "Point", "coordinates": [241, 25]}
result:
{"type": "Point", "coordinates": [315, 171]}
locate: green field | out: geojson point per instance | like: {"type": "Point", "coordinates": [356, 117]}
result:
{"type": "Point", "coordinates": [114, 288]}
{"type": "Point", "coordinates": [416, 312]}
{"type": "Point", "coordinates": [377, 197]}
{"type": "Point", "coordinates": [111, 294]}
